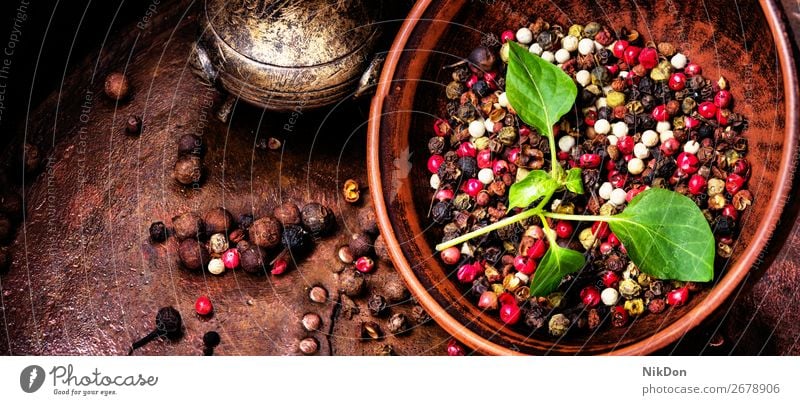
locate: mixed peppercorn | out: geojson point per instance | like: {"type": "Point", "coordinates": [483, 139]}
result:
{"type": "Point", "coordinates": [644, 117]}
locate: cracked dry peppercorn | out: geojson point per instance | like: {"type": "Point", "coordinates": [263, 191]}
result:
{"type": "Point", "coordinates": [376, 305]}
{"type": "Point", "coordinates": [318, 219]}
{"type": "Point", "coordinates": [397, 324]}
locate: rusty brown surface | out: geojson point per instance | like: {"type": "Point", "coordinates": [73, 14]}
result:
{"type": "Point", "coordinates": [85, 279]}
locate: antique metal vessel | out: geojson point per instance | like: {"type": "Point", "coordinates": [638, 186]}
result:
{"type": "Point", "coordinates": [287, 54]}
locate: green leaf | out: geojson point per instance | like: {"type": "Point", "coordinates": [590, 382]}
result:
{"type": "Point", "coordinates": [574, 181]}
{"type": "Point", "coordinates": [556, 263]}
{"type": "Point", "coordinates": [540, 92]}
{"type": "Point", "coordinates": [667, 236]}
{"type": "Point", "coordinates": [537, 184]}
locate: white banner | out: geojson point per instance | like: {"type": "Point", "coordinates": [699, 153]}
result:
{"type": "Point", "coordinates": [398, 380]}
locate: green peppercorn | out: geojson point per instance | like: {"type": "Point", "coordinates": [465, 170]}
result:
{"type": "Point", "coordinates": [629, 289]}
{"type": "Point", "coordinates": [507, 136]}
{"type": "Point", "coordinates": [558, 325]}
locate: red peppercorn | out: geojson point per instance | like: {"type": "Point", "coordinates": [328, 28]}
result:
{"type": "Point", "coordinates": [513, 155]}
{"type": "Point", "coordinates": [509, 313]}
{"type": "Point", "coordinates": [677, 82]}
{"type": "Point", "coordinates": [625, 145]}
{"type": "Point", "coordinates": [472, 80]}
{"type": "Point", "coordinates": [619, 48]}
{"type": "Point", "coordinates": [564, 229]}
{"type": "Point", "coordinates": [444, 194]}
{"type": "Point", "coordinates": [722, 117]}
{"type": "Point", "coordinates": [728, 240]}
{"type": "Point", "coordinates": [440, 127]}
{"type": "Point", "coordinates": [561, 155]}
{"type": "Point", "coordinates": [678, 296]}
{"type": "Point", "coordinates": [590, 160]}
{"type": "Point", "coordinates": [500, 167]}
{"type": "Point", "coordinates": [691, 122]}
{"type": "Point", "coordinates": [451, 255]}
{"type": "Point", "coordinates": [609, 278]}
{"type": "Point", "coordinates": [734, 183]}
{"type": "Point", "coordinates": [670, 146]}
{"type": "Point", "coordinates": [660, 113]}
{"type": "Point", "coordinates": [742, 168]}
{"type": "Point", "coordinates": [606, 248]}
{"type": "Point", "coordinates": [590, 296]}
{"type": "Point", "coordinates": [524, 265]}
{"type": "Point", "coordinates": [538, 249]}
{"type": "Point", "coordinates": [434, 162]}
{"type": "Point", "coordinates": [633, 192]}
{"type": "Point", "coordinates": [279, 267]}
{"type": "Point", "coordinates": [203, 306]}
{"type": "Point", "coordinates": [648, 58]}
{"type": "Point", "coordinates": [524, 131]}
{"type": "Point", "coordinates": [472, 187]}
{"type": "Point", "coordinates": [507, 35]}
{"type": "Point", "coordinates": [617, 179]}
{"type": "Point", "coordinates": [231, 258]}
{"type": "Point", "coordinates": [631, 54]}
{"type": "Point", "coordinates": [697, 184]}
{"type": "Point", "coordinates": [591, 118]}
{"type": "Point", "coordinates": [693, 69]}
{"type": "Point", "coordinates": [600, 229]}
{"type": "Point", "coordinates": [468, 272]}
{"type": "Point", "coordinates": [484, 159]}
{"type": "Point", "coordinates": [687, 163]}
{"type": "Point", "coordinates": [454, 348]}
{"type": "Point", "coordinates": [723, 99]}
{"type": "Point", "coordinates": [707, 110]}
{"type": "Point", "coordinates": [612, 70]}
{"type": "Point", "coordinates": [466, 149]}
{"type": "Point", "coordinates": [365, 264]}
{"type": "Point", "coordinates": [619, 316]}
{"type": "Point", "coordinates": [730, 211]}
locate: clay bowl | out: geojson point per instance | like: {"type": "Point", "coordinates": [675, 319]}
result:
{"type": "Point", "coordinates": [748, 46]}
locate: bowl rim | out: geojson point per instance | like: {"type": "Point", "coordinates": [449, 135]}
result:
{"type": "Point", "coordinates": [716, 296]}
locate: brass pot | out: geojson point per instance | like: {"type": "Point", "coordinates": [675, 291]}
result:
{"type": "Point", "coordinates": [286, 54]}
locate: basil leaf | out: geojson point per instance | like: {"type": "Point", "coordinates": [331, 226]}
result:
{"type": "Point", "coordinates": [667, 236]}
{"type": "Point", "coordinates": [574, 181]}
{"type": "Point", "coordinates": [540, 92]}
{"type": "Point", "coordinates": [537, 184]}
{"type": "Point", "coordinates": [556, 263]}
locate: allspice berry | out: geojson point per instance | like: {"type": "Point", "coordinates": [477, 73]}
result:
{"type": "Point", "coordinates": [218, 220]}
{"type": "Point", "coordinates": [318, 294]}
{"type": "Point", "coordinates": [381, 250]}
{"type": "Point", "coordinates": [190, 144]}
{"type": "Point", "coordinates": [188, 225]}
{"type": "Point", "coordinates": [193, 254]}
{"type": "Point", "coordinates": [311, 321]}
{"type": "Point", "coordinates": [367, 221]}
{"type": "Point", "coordinates": [360, 245]}
{"type": "Point", "coordinates": [158, 232]}
{"type": "Point", "coordinates": [251, 259]}
{"type": "Point", "coordinates": [395, 291]}
{"type": "Point", "coordinates": [287, 213]}
{"type": "Point", "coordinates": [266, 232]}
{"type": "Point", "coordinates": [116, 86]}
{"type": "Point", "coordinates": [308, 346]}
{"type": "Point", "coordinates": [318, 219]}
{"type": "Point", "coordinates": [188, 170]}
{"type": "Point", "coordinates": [351, 282]}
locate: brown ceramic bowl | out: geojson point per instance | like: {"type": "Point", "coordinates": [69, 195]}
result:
{"type": "Point", "coordinates": [746, 44]}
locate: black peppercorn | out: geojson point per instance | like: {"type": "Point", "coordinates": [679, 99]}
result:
{"type": "Point", "coordinates": [724, 225]}
{"type": "Point", "coordinates": [420, 315]}
{"type": "Point", "coordinates": [296, 240]}
{"type": "Point", "coordinates": [441, 212]}
{"type": "Point", "coordinates": [211, 339]}
{"type": "Point", "coordinates": [218, 220]}
{"type": "Point", "coordinates": [287, 213]}
{"type": "Point", "coordinates": [436, 145]}
{"type": "Point", "coordinates": [351, 282]}
{"type": "Point", "coordinates": [482, 59]}
{"type": "Point", "coordinates": [158, 232]}
{"type": "Point", "coordinates": [190, 144]}
{"type": "Point", "coordinates": [360, 244]}
{"type": "Point", "coordinates": [133, 125]}
{"type": "Point", "coordinates": [468, 166]}
{"type": "Point", "coordinates": [245, 221]}
{"type": "Point", "coordinates": [188, 225]}
{"type": "Point", "coordinates": [318, 219]}
{"type": "Point", "coordinates": [168, 324]}
{"type": "Point", "coordinates": [376, 305]}
{"type": "Point", "coordinates": [481, 89]}
{"type": "Point", "coordinates": [266, 232]}
{"type": "Point", "coordinates": [536, 315]}
{"type": "Point", "coordinates": [188, 170]}
{"type": "Point", "coordinates": [252, 259]}
{"type": "Point", "coordinates": [193, 254]}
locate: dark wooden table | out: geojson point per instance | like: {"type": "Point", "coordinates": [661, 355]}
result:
{"type": "Point", "coordinates": [86, 280]}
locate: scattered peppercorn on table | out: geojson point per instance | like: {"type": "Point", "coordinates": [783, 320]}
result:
{"type": "Point", "coordinates": [102, 271]}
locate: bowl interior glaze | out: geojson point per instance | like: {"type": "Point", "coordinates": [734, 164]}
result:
{"type": "Point", "coordinates": [736, 42]}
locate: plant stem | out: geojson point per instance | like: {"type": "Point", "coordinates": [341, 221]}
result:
{"type": "Point", "coordinates": [571, 217]}
{"type": "Point", "coordinates": [497, 225]}
{"type": "Point", "coordinates": [549, 233]}
{"type": "Point", "coordinates": [553, 154]}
